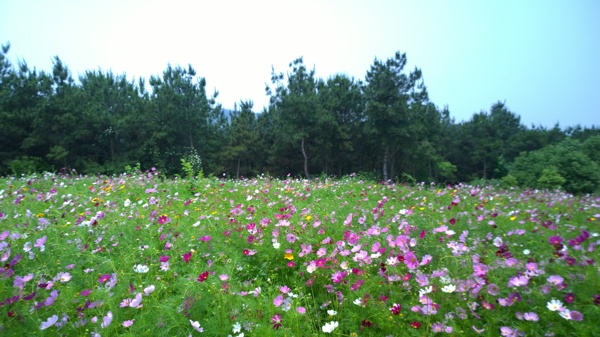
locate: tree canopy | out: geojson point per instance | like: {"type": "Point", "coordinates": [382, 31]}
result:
{"type": "Point", "coordinates": [383, 126]}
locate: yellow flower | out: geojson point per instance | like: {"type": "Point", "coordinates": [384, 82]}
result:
{"type": "Point", "coordinates": [308, 217]}
{"type": "Point", "coordinates": [289, 256]}
{"type": "Point", "coordinates": [512, 218]}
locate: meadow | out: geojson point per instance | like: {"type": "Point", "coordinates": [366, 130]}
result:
{"type": "Point", "coordinates": [142, 255]}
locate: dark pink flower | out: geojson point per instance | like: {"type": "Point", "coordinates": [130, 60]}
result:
{"type": "Point", "coordinates": [187, 256]}
{"type": "Point", "coordinates": [104, 278]}
{"type": "Point", "coordinates": [569, 298]}
{"type": "Point", "coordinates": [276, 321]}
{"type": "Point", "coordinates": [202, 277]}
{"type": "Point", "coordinates": [555, 240]}
{"type": "Point", "coordinates": [396, 308]}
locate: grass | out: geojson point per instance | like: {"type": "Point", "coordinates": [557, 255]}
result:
{"type": "Point", "coordinates": [138, 254]}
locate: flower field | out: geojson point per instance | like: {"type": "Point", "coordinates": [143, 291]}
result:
{"type": "Point", "coordinates": [140, 255]}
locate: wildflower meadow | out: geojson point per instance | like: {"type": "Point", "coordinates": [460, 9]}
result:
{"type": "Point", "coordinates": [139, 254]}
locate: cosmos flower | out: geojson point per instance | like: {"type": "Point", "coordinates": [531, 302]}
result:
{"type": "Point", "coordinates": [140, 268]}
{"type": "Point", "coordinates": [531, 316]}
{"type": "Point", "coordinates": [49, 322]}
{"type": "Point", "coordinates": [449, 288]}
{"type": "Point", "coordinates": [187, 256]}
{"type": "Point", "coordinates": [330, 326]}
{"type": "Point", "coordinates": [396, 308]}
{"type": "Point", "coordinates": [554, 305]}
{"type": "Point", "coordinates": [277, 301]}
{"type": "Point", "coordinates": [149, 290]}
{"type": "Point", "coordinates": [196, 326]}
{"type": "Point", "coordinates": [276, 321]}
{"type": "Point", "coordinates": [64, 277]}
{"type": "Point", "coordinates": [203, 276]}
{"type": "Point", "coordinates": [106, 320]}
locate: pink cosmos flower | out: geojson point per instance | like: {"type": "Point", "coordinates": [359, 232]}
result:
{"type": "Point", "coordinates": [196, 326]}
{"type": "Point", "coordinates": [106, 320]}
{"type": "Point", "coordinates": [531, 316]}
{"type": "Point", "coordinates": [63, 277]}
{"type": "Point", "coordinates": [518, 281]}
{"type": "Point", "coordinates": [104, 278]}
{"type": "Point", "coordinates": [479, 331]}
{"type": "Point", "coordinates": [50, 299]}
{"type": "Point", "coordinates": [555, 279]}
{"type": "Point", "coordinates": [338, 276]}
{"type": "Point", "coordinates": [39, 243]}
{"type": "Point", "coordinates": [410, 259]}
{"type": "Point", "coordinates": [149, 290]}
{"type": "Point", "coordinates": [576, 315]}
{"type": "Point", "coordinates": [137, 301]}
{"type": "Point", "coordinates": [49, 322]}
{"type": "Point", "coordinates": [277, 301]}
{"type": "Point", "coordinates": [128, 323]}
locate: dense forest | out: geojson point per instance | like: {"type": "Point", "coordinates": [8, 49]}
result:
{"type": "Point", "coordinates": [383, 126]}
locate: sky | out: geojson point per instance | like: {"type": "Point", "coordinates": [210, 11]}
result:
{"type": "Point", "coordinates": [541, 58]}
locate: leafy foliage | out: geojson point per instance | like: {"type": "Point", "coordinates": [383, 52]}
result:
{"type": "Point", "coordinates": [383, 126]}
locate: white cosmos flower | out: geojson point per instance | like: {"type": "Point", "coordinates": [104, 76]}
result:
{"type": "Point", "coordinates": [329, 327]}
{"type": "Point", "coordinates": [392, 261]}
{"type": "Point", "coordinates": [425, 290]}
{"type": "Point", "coordinates": [450, 288]}
{"type": "Point", "coordinates": [445, 279]}
{"type": "Point", "coordinates": [554, 305]}
{"type": "Point", "coordinates": [331, 312]}
{"type": "Point", "coordinates": [127, 203]}
{"type": "Point", "coordinates": [565, 313]}
{"type": "Point", "coordinates": [140, 268]}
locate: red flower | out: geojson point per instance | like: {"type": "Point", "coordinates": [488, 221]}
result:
{"type": "Point", "coordinates": [415, 325]}
{"type": "Point", "coordinates": [202, 277]}
{"type": "Point", "coordinates": [246, 252]}
{"type": "Point", "coordinates": [452, 221]}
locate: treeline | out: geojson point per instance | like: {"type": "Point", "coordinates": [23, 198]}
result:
{"type": "Point", "coordinates": [384, 126]}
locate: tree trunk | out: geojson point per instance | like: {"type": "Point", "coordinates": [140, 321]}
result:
{"type": "Point", "coordinates": [386, 155]}
{"type": "Point", "coordinates": [237, 174]}
{"type": "Point", "coordinates": [305, 159]}
{"type": "Point", "coordinates": [484, 169]}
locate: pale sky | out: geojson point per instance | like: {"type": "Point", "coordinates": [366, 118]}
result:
{"type": "Point", "coordinates": [542, 58]}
